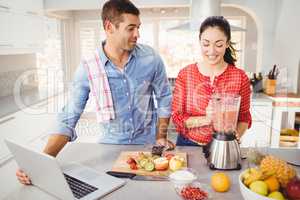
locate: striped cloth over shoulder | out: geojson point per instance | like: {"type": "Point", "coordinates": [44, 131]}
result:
{"type": "Point", "coordinates": [99, 87]}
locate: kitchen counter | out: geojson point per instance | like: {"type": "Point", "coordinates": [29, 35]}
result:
{"type": "Point", "coordinates": [101, 158]}
{"type": "Point", "coordinates": [260, 99]}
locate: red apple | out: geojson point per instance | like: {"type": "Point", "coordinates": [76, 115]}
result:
{"type": "Point", "coordinates": [293, 189]}
{"type": "Point", "coordinates": [169, 156]}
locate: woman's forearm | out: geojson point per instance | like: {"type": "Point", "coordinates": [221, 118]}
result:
{"type": "Point", "coordinates": [197, 121]}
{"type": "Point", "coordinates": [241, 128]}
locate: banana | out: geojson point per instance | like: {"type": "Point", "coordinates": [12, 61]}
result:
{"type": "Point", "coordinates": [252, 175]}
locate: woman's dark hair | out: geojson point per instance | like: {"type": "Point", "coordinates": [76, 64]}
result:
{"type": "Point", "coordinates": [223, 25]}
{"type": "Point", "coordinates": [112, 11]}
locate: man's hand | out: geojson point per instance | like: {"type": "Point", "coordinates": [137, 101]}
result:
{"type": "Point", "coordinates": [22, 177]}
{"type": "Point", "coordinates": [54, 145]}
{"type": "Point", "coordinates": [162, 133]}
{"type": "Point", "coordinates": [165, 142]}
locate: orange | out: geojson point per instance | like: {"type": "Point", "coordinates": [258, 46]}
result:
{"type": "Point", "coordinates": [220, 182]}
{"type": "Point", "coordinates": [273, 184]}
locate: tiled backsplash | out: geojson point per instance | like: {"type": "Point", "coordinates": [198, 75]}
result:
{"type": "Point", "coordinates": [12, 67]}
{"type": "Point", "coordinates": [8, 80]}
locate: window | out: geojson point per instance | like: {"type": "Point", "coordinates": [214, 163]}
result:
{"type": "Point", "coordinates": [49, 62]}
{"type": "Point", "coordinates": [177, 48]}
{"type": "Point", "coordinates": [238, 38]}
{"type": "Point", "coordinates": [147, 33]}
{"type": "Point", "coordinates": [91, 34]}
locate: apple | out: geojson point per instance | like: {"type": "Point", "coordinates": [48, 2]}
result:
{"type": "Point", "coordinates": [259, 187]}
{"type": "Point", "coordinates": [276, 195]}
{"type": "Point", "coordinates": [169, 156]}
{"type": "Point", "coordinates": [293, 189]}
{"type": "Point", "coordinates": [161, 163]}
{"type": "Point", "coordinates": [176, 163]}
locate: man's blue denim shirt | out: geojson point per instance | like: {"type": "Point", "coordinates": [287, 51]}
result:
{"type": "Point", "coordinates": [141, 93]}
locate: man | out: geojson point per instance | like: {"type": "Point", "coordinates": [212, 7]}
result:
{"type": "Point", "coordinates": [134, 72]}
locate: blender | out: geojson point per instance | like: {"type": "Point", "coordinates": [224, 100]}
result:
{"type": "Point", "coordinates": [224, 150]}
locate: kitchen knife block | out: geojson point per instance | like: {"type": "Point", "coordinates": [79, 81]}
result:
{"type": "Point", "coordinates": [270, 87]}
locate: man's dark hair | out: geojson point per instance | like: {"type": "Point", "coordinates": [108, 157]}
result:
{"type": "Point", "coordinates": [112, 11]}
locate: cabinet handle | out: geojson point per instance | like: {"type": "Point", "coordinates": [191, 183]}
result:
{"type": "Point", "coordinates": [31, 13]}
{"type": "Point", "coordinates": [33, 45]}
{"type": "Point", "coordinates": [4, 8]}
{"type": "Point", "coordinates": [6, 45]}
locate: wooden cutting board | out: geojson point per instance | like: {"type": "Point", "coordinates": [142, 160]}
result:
{"type": "Point", "coordinates": [121, 165]}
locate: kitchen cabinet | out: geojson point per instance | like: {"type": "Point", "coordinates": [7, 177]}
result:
{"type": "Point", "coordinates": [6, 4]}
{"type": "Point", "coordinates": [260, 132]}
{"type": "Point", "coordinates": [29, 6]}
{"type": "Point", "coordinates": [22, 26]}
{"type": "Point", "coordinates": [26, 6]}
{"type": "Point", "coordinates": [6, 28]}
{"type": "Point", "coordinates": [32, 29]}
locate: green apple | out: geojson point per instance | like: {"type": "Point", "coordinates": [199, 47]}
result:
{"type": "Point", "coordinates": [276, 195]}
{"type": "Point", "coordinates": [259, 187]}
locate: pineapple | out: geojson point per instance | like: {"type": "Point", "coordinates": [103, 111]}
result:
{"type": "Point", "coordinates": [279, 168]}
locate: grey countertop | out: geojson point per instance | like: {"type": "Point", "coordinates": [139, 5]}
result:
{"type": "Point", "coordinates": [260, 99]}
{"type": "Point", "coordinates": [101, 158]}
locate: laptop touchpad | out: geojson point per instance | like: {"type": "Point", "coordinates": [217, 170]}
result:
{"type": "Point", "coordinates": [88, 175]}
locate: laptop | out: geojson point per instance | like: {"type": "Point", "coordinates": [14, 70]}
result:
{"type": "Point", "coordinates": [290, 155]}
{"type": "Point", "coordinates": [72, 181]}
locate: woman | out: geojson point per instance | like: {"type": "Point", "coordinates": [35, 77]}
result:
{"type": "Point", "coordinates": [196, 83]}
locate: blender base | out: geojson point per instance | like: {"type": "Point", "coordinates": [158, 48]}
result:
{"type": "Point", "coordinates": [212, 167]}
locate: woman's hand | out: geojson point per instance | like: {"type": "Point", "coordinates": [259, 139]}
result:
{"type": "Point", "coordinates": [240, 130]}
{"type": "Point", "coordinates": [194, 122]}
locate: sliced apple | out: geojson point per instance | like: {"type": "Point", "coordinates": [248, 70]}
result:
{"type": "Point", "coordinates": [161, 163]}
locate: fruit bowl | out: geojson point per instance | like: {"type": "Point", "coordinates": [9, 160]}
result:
{"type": "Point", "coordinates": [195, 191]}
{"type": "Point", "coordinates": [247, 193]}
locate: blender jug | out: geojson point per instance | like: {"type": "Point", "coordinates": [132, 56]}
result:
{"type": "Point", "coordinates": [225, 112]}
{"type": "Point", "coordinates": [224, 150]}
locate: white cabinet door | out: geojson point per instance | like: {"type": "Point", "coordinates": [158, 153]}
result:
{"type": "Point", "coordinates": [25, 33]}
{"type": "Point", "coordinates": [258, 135]}
{"type": "Point", "coordinates": [260, 132]}
{"type": "Point", "coordinates": [6, 41]}
{"type": "Point", "coordinates": [35, 31]}
{"type": "Point", "coordinates": [28, 6]}
{"type": "Point", "coordinates": [6, 4]}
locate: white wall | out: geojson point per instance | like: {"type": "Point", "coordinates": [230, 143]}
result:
{"type": "Point", "coordinates": [278, 36]}
{"type": "Point", "coordinates": [265, 13]}
{"type": "Point", "coordinates": [250, 60]}
{"type": "Point", "coordinates": [97, 4]}
{"type": "Point", "coordinates": [287, 42]}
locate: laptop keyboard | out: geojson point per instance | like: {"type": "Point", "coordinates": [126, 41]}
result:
{"type": "Point", "coordinates": [78, 187]}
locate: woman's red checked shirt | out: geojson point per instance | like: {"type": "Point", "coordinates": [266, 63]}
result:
{"type": "Point", "coordinates": [193, 91]}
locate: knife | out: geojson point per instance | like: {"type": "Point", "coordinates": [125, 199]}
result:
{"type": "Point", "coordinates": [137, 177]}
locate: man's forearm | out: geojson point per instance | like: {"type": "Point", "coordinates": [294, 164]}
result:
{"type": "Point", "coordinates": [55, 144]}
{"type": "Point", "coordinates": [162, 128]}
